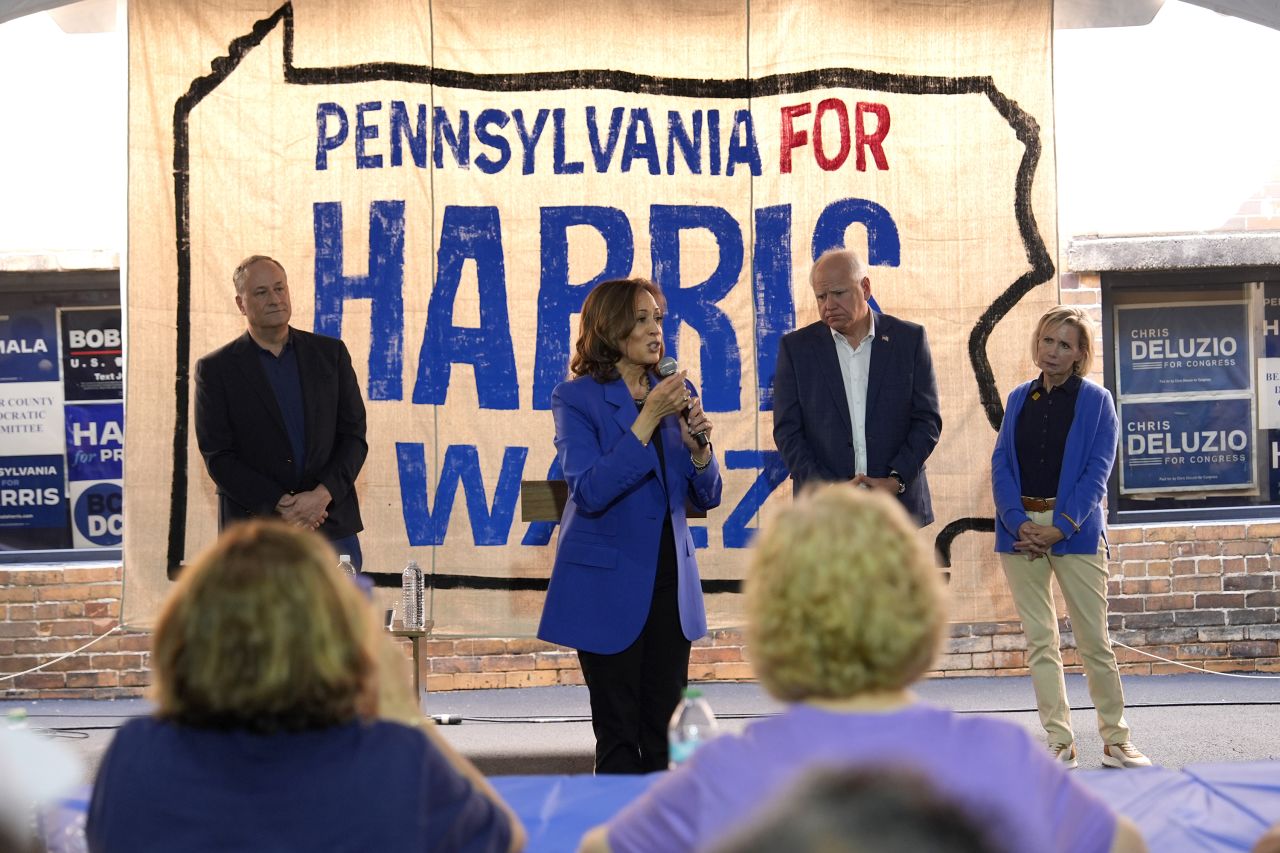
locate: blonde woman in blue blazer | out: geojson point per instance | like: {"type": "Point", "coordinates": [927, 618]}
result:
{"type": "Point", "coordinates": [624, 589]}
{"type": "Point", "coordinates": [1049, 473]}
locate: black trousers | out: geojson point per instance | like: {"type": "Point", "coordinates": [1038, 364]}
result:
{"type": "Point", "coordinates": [634, 692]}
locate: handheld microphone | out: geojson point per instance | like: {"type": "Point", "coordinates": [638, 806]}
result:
{"type": "Point", "coordinates": [667, 367]}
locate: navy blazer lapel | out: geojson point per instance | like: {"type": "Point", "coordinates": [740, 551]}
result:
{"type": "Point", "coordinates": [881, 356]}
{"type": "Point", "coordinates": [247, 356]}
{"type": "Point", "coordinates": [827, 365]}
{"type": "Point", "coordinates": [624, 415]}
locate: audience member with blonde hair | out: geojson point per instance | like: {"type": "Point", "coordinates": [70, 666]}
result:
{"type": "Point", "coordinates": [273, 685]}
{"type": "Point", "coordinates": [844, 612]}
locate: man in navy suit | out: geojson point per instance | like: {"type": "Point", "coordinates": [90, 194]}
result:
{"type": "Point", "coordinates": [854, 395]}
{"type": "Point", "coordinates": [279, 417]}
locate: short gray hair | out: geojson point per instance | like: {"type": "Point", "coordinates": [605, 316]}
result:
{"type": "Point", "coordinates": [242, 269]}
{"type": "Point", "coordinates": [857, 269]}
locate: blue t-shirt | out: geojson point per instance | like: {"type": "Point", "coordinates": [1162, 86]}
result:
{"type": "Point", "coordinates": [358, 787]}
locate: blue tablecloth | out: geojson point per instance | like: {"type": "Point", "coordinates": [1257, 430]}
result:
{"type": "Point", "coordinates": [1205, 807]}
{"type": "Point", "coordinates": [1215, 808]}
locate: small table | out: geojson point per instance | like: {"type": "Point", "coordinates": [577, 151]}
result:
{"type": "Point", "coordinates": [415, 636]}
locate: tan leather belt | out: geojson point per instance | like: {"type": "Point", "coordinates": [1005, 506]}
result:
{"type": "Point", "coordinates": [1038, 504]}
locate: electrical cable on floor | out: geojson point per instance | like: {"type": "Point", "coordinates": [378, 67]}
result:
{"type": "Point", "coordinates": [456, 719]}
{"type": "Point", "coordinates": [77, 733]}
{"type": "Point", "coordinates": [1189, 666]}
{"type": "Point", "coordinates": [52, 661]}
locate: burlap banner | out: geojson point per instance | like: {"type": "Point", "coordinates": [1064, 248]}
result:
{"type": "Point", "coordinates": [444, 182]}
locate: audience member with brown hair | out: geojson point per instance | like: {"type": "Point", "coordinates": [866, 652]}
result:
{"type": "Point", "coordinates": [272, 683]}
{"type": "Point", "coordinates": [844, 611]}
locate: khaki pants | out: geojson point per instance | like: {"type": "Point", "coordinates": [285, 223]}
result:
{"type": "Point", "coordinates": [1083, 581]}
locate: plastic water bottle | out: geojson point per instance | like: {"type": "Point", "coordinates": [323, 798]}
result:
{"type": "Point", "coordinates": [344, 563]}
{"type": "Point", "coordinates": [692, 724]}
{"type": "Point", "coordinates": [411, 600]}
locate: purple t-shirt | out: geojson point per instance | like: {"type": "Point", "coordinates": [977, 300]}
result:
{"type": "Point", "coordinates": [993, 768]}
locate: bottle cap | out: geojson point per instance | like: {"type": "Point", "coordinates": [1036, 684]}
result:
{"type": "Point", "coordinates": [344, 558]}
{"type": "Point", "coordinates": [692, 693]}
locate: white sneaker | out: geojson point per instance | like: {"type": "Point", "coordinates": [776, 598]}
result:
{"type": "Point", "coordinates": [1124, 756]}
{"type": "Point", "coordinates": [1064, 754]}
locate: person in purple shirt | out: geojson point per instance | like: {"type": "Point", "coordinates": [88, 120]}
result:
{"type": "Point", "coordinates": [844, 611]}
{"type": "Point", "coordinates": [275, 695]}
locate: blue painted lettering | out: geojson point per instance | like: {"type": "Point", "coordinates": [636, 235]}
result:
{"type": "Point", "coordinates": [402, 132]}
{"type": "Point", "coordinates": [558, 299]}
{"type": "Point", "coordinates": [364, 132]}
{"type": "Point", "coordinates": [444, 135]}
{"type": "Point", "coordinates": [529, 138]}
{"type": "Point", "coordinates": [773, 472]}
{"type": "Point", "coordinates": [771, 293]}
{"type": "Point", "coordinates": [326, 141]}
{"type": "Point", "coordinates": [469, 233]}
{"type": "Point", "coordinates": [485, 136]}
{"type": "Point", "coordinates": [696, 304]}
{"type": "Point", "coordinates": [383, 286]}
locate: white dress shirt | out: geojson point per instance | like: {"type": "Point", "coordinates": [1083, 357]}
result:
{"type": "Point", "coordinates": [855, 367]}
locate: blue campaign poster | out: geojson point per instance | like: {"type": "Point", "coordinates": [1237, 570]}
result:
{"type": "Point", "coordinates": [1273, 452]}
{"type": "Point", "coordinates": [92, 358]}
{"type": "Point", "coordinates": [1271, 349]}
{"type": "Point", "coordinates": [95, 441]}
{"type": "Point", "coordinates": [29, 346]}
{"type": "Point", "coordinates": [33, 507]}
{"type": "Point", "coordinates": [1186, 445]}
{"type": "Point", "coordinates": [1271, 319]}
{"type": "Point", "coordinates": [1179, 349]}
{"type": "Point", "coordinates": [97, 509]}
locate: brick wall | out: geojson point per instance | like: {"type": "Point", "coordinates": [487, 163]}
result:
{"type": "Point", "coordinates": [1260, 211]}
{"type": "Point", "coordinates": [49, 611]}
{"type": "Point", "coordinates": [1204, 595]}
{"type": "Point", "coordinates": [471, 664]}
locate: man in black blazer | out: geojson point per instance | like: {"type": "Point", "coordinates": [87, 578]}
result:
{"type": "Point", "coordinates": [279, 417]}
{"type": "Point", "coordinates": [854, 395]}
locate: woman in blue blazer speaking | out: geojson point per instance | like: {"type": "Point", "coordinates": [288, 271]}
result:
{"type": "Point", "coordinates": [624, 589]}
{"type": "Point", "coordinates": [1049, 472]}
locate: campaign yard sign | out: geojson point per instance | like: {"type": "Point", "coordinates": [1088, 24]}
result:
{"type": "Point", "coordinates": [92, 354]}
{"type": "Point", "coordinates": [1187, 445]}
{"type": "Point", "coordinates": [28, 346]}
{"type": "Point", "coordinates": [1184, 348]}
{"type": "Point", "coordinates": [33, 510]}
{"type": "Point", "coordinates": [95, 467]}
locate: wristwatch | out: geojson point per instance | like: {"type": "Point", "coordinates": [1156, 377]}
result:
{"type": "Point", "coordinates": [902, 485]}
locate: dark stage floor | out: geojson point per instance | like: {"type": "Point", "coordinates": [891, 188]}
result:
{"type": "Point", "coordinates": [1176, 719]}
